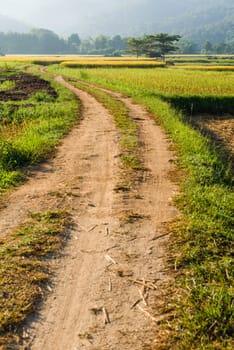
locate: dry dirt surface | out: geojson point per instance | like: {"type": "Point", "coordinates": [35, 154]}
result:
{"type": "Point", "coordinates": [221, 131]}
{"type": "Point", "coordinates": [113, 270]}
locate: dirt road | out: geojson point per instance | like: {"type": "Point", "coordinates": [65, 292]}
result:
{"type": "Point", "coordinates": [116, 252]}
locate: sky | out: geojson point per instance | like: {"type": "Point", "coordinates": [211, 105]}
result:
{"type": "Point", "coordinates": [91, 17]}
{"type": "Point", "coordinates": [45, 10]}
{"type": "Point", "coordinates": [60, 15]}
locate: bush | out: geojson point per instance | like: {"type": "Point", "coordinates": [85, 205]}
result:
{"type": "Point", "coordinates": [42, 96]}
{"type": "Point", "coordinates": [10, 156]}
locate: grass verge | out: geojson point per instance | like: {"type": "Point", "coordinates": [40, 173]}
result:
{"type": "Point", "coordinates": [31, 129]}
{"type": "Point", "coordinates": [25, 269]}
{"type": "Point", "coordinates": [203, 237]}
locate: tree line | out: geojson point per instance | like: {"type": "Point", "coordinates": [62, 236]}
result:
{"type": "Point", "coordinates": [44, 41]}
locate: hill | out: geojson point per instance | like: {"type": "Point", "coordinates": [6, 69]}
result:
{"type": "Point", "coordinates": [8, 24]}
{"type": "Point", "coordinates": [196, 20]}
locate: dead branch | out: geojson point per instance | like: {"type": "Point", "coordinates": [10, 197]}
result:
{"type": "Point", "coordinates": [143, 296]}
{"type": "Point", "coordinates": [110, 284]}
{"type": "Point", "coordinates": [146, 284]}
{"type": "Point", "coordinates": [147, 313]}
{"type": "Point", "coordinates": [92, 228]}
{"type": "Point", "coordinates": [82, 227]}
{"type": "Point", "coordinates": [135, 304]}
{"type": "Point", "coordinates": [109, 259]}
{"type": "Point", "coordinates": [106, 316]}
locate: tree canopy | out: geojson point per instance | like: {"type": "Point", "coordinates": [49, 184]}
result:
{"type": "Point", "coordinates": [154, 45]}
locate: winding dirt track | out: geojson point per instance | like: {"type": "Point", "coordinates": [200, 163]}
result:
{"type": "Point", "coordinates": [106, 252]}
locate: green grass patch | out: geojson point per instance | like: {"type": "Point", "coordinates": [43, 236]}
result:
{"type": "Point", "coordinates": [30, 130]}
{"type": "Point", "coordinates": [25, 270]}
{"type": "Point", "coordinates": [7, 85]}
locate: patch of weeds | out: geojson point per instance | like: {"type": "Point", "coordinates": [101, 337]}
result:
{"type": "Point", "coordinates": [72, 194]}
{"type": "Point", "coordinates": [126, 125]}
{"type": "Point", "coordinates": [123, 187]}
{"type": "Point", "coordinates": [24, 268]}
{"type": "Point", "coordinates": [10, 156]}
{"type": "Point", "coordinates": [9, 179]}
{"type": "Point", "coordinates": [86, 336]}
{"type": "Point", "coordinates": [131, 161]}
{"type": "Point", "coordinates": [42, 96]}
{"type": "Point", "coordinates": [83, 75]}
{"type": "Point", "coordinates": [96, 310]}
{"type": "Point", "coordinates": [138, 196]}
{"type": "Point", "coordinates": [34, 128]}
{"type": "Point", "coordinates": [7, 85]}
{"type": "Point", "coordinates": [130, 217]}
{"type": "Point", "coordinates": [56, 194]}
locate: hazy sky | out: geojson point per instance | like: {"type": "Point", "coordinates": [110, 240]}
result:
{"type": "Point", "coordinates": [95, 16]}
{"type": "Point", "coordinates": [58, 14]}
{"type": "Point", "coordinates": [40, 9]}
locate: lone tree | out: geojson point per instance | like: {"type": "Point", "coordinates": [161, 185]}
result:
{"type": "Point", "coordinates": [157, 45]}
{"type": "Point", "coordinates": [160, 44]}
{"type": "Point", "coordinates": [136, 46]}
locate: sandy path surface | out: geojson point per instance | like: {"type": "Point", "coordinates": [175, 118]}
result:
{"type": "Point", "coordinates": [93, 302]}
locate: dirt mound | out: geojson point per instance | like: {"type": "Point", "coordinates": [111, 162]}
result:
{"type": "Point", "coordinates": [26, 85]}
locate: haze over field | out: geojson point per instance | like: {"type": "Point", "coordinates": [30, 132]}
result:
{"type": "Point", "coordinates": [110, 17]}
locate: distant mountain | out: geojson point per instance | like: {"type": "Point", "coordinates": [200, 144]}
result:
{"type": "Point", "coordinates": [214, 23]}
{"type": "Point", "coordinates": [197, 20]}
{"type": "Point", "coordinates": [8, 24]}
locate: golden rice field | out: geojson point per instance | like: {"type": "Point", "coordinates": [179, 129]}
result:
{"type": "Point", "coordinates": [167, 81]}
{"type": "Point", "coordinates": [199, 80]}
{"type": "Point", "coordinates": [206, 67]}
{"type": "Point", "coordinates": [113, 63]}
{"type": "Point", "coordinates": [75, 61]}
{"type": "Point", "coordinates": [86, 62]}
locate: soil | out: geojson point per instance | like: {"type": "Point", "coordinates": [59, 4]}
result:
{"type": "Point", "coordinates": [221, 131]}
{"type": "Point", "coordinates": [117, 248]}
{"type": "Point", "coordinates": [25, 86]}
